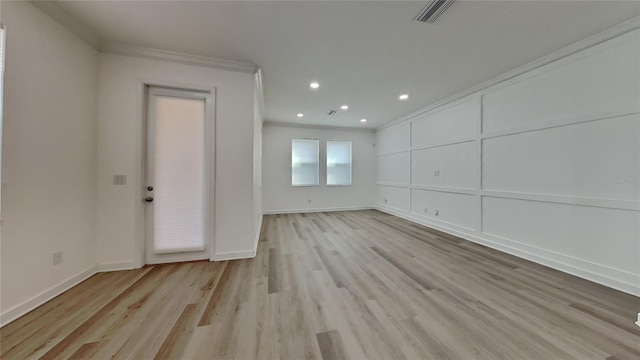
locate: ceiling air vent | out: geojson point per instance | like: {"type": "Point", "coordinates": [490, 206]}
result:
{"type": "Point", "coordinates": [433, 10]}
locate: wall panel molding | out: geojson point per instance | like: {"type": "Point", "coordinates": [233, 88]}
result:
{"type": "Point", "coordinates": [604, 275]}
{"type": "Point", "coordinates": [573, 120]}
{"type": "Point", "coordinates": [393, 153]}
{"type": "Point", "coordinates": [444, 143]}
{"type": "Point", "coordinates": [391, 184]}
{"type": "Point", "coordinates": [453, 190]}
{"type": "Point", "coordinates": [564, 173]}
{"type": "Point", "coordinates": [616, 33]}
{"type": "Point", "coordinates": [569, 200]}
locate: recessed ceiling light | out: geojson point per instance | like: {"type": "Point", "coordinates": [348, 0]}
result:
{"type": "Point", "coordinates": [344, 107]}
{"type": "Point", "coordinates": [300, 115]}
{"type": "Point", "coordinates": [363, 120]}
{"type": "Point", "coordinates": [403, 97]}
{"type": "Point", "coordinates": [314, 85]}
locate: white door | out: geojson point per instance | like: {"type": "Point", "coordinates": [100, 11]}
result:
{"type": "Point", "coordinates": [179, 165]}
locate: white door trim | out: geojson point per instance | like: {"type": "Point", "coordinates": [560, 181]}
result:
{"type": "Point", "coordinates": [139, 179]}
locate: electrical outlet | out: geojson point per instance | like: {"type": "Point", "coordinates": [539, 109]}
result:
{"type": "Point", "coordinates": [57, 258]}
{"type": "Point", "coordinates": [309, 201]}
{"type": "Point", "coordinates": [437, 213]}
{"type": "Point", "coordinates": [436, 172]}
{"type": "Point", "coordinates": [385, 200]}
{"type": "Point", "coordinates": [425, 210]}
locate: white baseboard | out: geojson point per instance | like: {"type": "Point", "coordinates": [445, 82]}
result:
{"type": "Point", "coordinates": [610, 277]}
{"type": "Point", "coordinates": [235, 255]}
{"type": "Point", "coordinates": [115, 267]}
{"type": "Point", "coordinates": [296, 211]}
{"type": "Point", "coordinates": [256, 240]}
{"type": "Point", "coordinates": [27, 306]}
{"type": "Point", "coordinates": [247, 254]}
{"type": "Point", "coordinates": [22, 309]}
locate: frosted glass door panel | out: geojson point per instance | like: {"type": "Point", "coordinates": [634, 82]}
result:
{"type": "Point", "coordinates": [178, 175]}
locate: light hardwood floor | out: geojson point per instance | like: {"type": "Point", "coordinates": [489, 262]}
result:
{"type": "Point", "coordinates": [358, 285]}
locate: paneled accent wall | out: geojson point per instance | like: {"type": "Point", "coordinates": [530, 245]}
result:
{"type": "Point", "coordinates": [545, 165]}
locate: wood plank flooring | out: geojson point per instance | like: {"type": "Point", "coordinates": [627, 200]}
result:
{"type": "Point", "coordinates": [343, 285]}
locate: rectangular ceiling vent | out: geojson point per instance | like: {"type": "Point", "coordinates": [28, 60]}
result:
{"type": "Point", "coordinates": [430, 13]}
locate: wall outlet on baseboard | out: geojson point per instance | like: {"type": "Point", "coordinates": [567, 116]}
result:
{"type": "Point", "coordinates": [57, 258]}
{"type": "Point", "coordinates": [385, 200]}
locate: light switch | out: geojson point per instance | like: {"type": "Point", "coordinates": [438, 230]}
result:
{"type": "Point", "coordinates": [119, 179]}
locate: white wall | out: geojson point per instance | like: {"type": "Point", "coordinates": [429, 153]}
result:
{"type": "Point", "coordinates": [279, 196]}
{"type": "Point", "coordinates": [545, 165]}
{"type": "Point", "coordinates": [49, 158]}
{"type": "Point", "coordinates": [120, 146]}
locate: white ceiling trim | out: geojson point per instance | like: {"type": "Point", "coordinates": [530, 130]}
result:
{"type": "Point", "coordinates": [88, 35]}
{"type": "Point", "coordinates": [319, 127]}
{"type": "Point", "coordinates": [591, 41]}
{"type": "Point", "coordinates": [177, 57]}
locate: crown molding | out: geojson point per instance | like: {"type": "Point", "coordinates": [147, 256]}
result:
{"type": "Point", "coordinates": [574, 48]}
{"type": "Point", "coordinates": [318, 127]}
{"type": "Point", "coordinates": [177, 57]}
{"type": "Point", "coordinates": [59, 14]}
{"type": "Point", "coordinates": [62, 17]}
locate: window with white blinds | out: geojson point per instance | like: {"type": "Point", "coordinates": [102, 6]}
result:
{"type": "Point", "coordinates": [304, 162]}
{"type": "Point", "coordinates": [2, 53]}
{"type": "Point", "coordinates": [338, 163]}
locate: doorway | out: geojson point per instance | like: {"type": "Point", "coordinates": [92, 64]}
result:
{"type": "Point", "coordinates": [179, 168]}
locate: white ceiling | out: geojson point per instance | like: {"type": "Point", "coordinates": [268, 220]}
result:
{"type": "Point", "coordinates": [363, 53]}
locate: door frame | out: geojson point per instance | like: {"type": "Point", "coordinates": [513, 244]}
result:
{"type": "Point", "coordinates": [140, 178]}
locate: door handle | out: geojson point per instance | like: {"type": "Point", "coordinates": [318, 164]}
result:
{"type": "Point", "coordinates": [148, 199]}
{"type": "Point", "coordinates": [149, 188]}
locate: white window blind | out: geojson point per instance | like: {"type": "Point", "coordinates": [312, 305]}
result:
{"type": "Point", "coordinates": [338, 163]}
{"type": "Point", "coordinates": [2, 62]}
{"type": "Point", "coordinates": [304, 162]}
{"type": "Point", "coordinates": [178, 175]}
